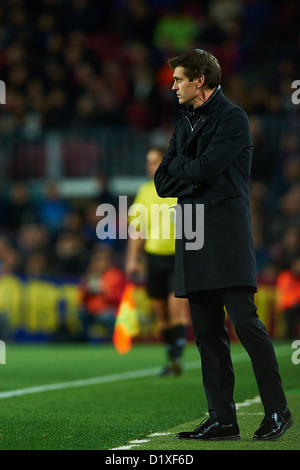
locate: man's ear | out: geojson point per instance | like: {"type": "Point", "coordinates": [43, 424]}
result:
{"type": "Point", "coordinates": [200, 81]}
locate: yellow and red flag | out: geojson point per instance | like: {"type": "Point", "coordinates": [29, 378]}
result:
{"type": "Point", "coordinates": [127, 324]}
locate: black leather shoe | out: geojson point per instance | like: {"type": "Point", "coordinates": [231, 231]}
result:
{"type": "Point", "coordinates": [212, 431]}
{"type": "Point", "coordinates": [274, 425]}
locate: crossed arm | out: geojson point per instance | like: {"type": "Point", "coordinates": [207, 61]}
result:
{"type": "Point", "coordinates": [178, 175]}
{"type": "Point", "coordinates": [166, 184]}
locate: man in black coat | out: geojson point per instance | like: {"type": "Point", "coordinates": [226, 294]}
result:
{"type": "Point", "coordinates": [208, 166]}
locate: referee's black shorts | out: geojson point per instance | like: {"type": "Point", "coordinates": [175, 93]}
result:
{"type": "Point", "coordinates": [160, 282]}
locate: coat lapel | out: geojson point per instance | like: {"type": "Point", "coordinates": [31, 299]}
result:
{"type": "Point", "coordinates": [198, 128]}
{"type": "Point", "coordinates": [204, 117]}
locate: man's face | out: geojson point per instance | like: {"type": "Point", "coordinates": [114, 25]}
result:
{"type": "Point", "coordinates": [187, 92]}
{"type": "Point", "coordinates": [153, 160]}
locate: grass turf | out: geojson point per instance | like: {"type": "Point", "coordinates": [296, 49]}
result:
{"type": "Point", "coordinates": [112, 414]}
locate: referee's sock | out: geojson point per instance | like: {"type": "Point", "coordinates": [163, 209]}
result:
{"type": "Point", "coordinates": [175, 341]}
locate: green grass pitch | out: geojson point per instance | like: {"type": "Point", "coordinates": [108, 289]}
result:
{"type": "Point", "coordinates": [88, 397]}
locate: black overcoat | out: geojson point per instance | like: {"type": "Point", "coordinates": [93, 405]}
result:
{"type": "Point", "coordinates": [209, 163]}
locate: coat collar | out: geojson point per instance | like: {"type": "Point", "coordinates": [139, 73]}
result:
{"type": "Point", "coordinates": [207, 107]}
{"type": "Point", "coordinates": [201, 115]}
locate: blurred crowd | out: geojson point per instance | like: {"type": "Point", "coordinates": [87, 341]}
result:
{"type": "Point", "coordinates": [87, 62]}
{"type": "Point", "coordinates": [50, 236]}
{"type": "Point", "coordinates": [77, 63]}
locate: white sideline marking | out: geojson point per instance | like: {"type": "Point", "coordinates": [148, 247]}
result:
{"type": "Point", "coordinates": [82, 382]}
{"type": "Point", "coordinates": [135, 374]}
{"type": "Point", "coordinates": [235, 358]}
{"type": "Point", "coordinates": [139, 441]}
{"type": "Point", "coordinates": [247, 402]}
{"type": "Point", "coordinates": [126, 447]}
{"type": "Point", "coordinates": [132, 444]}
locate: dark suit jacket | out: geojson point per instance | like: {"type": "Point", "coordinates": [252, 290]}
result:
{"type": "Point", "coordinates": [210, 165]}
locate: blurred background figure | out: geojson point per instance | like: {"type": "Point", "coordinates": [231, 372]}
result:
{"type": "Point", "coordinates": [100, 290]}
{"type": "Point", "coordinates": [288, 298]}
{"type": "Point", "coordinates": [53, 208]}
{"type": "Point", "coordinates": [18, 208]}
{"type": "Point", "coordinates": [171, 312]}
{"type": "Point", "coordinates": [70, 254]}
{"type": "Point", "coordinates": [38, 265]}
{"type": "Point", "coordinates": [10, 261]}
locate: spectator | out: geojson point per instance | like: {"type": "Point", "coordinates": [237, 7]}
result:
{"type": "Point", "coordinates": [10, 262]}
{"type": "Point", "coordinates": [74, 221]}
{"type": "Point", "coordinates": [101, 289]}
{"type": "Point", "coordinates": [53, 209]}
{"type": "Point", "coordinates": [38, 265]}
{"type": "Point", "coordinates": [19, 209]}
{"type": "Point", "coordinates": [31, 238]}
{"type": "Point", "coordinates": [289, 247]}
{"type": "Point", "coordinates": [289, 206]}
{"type": "Point", "coordinates": [90, 225]}
{"type": "Point", "coordinates": [288, 298]}
{"type": "Point", "coordinates": [70, 254]}
{"type": "Point", "coordinates": [263, 162]}
{"type": "Point", "coordinates": [175, 32]}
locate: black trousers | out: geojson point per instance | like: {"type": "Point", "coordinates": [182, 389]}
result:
{"type": "Point", "coordinates": [212, 339]}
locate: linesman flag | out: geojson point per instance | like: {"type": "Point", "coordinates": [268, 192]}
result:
{"type": "Point", "coordinates": [127, 323]}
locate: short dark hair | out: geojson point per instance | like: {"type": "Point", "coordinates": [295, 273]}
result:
{"type": "Point", "coordinates": [199, 62]}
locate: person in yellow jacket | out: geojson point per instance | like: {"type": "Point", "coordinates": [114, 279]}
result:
{"type": "Point", "coordinates": [157, 224]}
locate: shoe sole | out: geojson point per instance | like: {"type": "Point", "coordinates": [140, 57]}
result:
{"type": "Point", "coordinates": [221, 438]}
{"type": "Point", "coordinates": [225, 438]}
{"type": "Point", "coordinates": [286, 427]}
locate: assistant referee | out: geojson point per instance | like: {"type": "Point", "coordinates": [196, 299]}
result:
{"type": "Point", "coordinates": [160, 257]}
